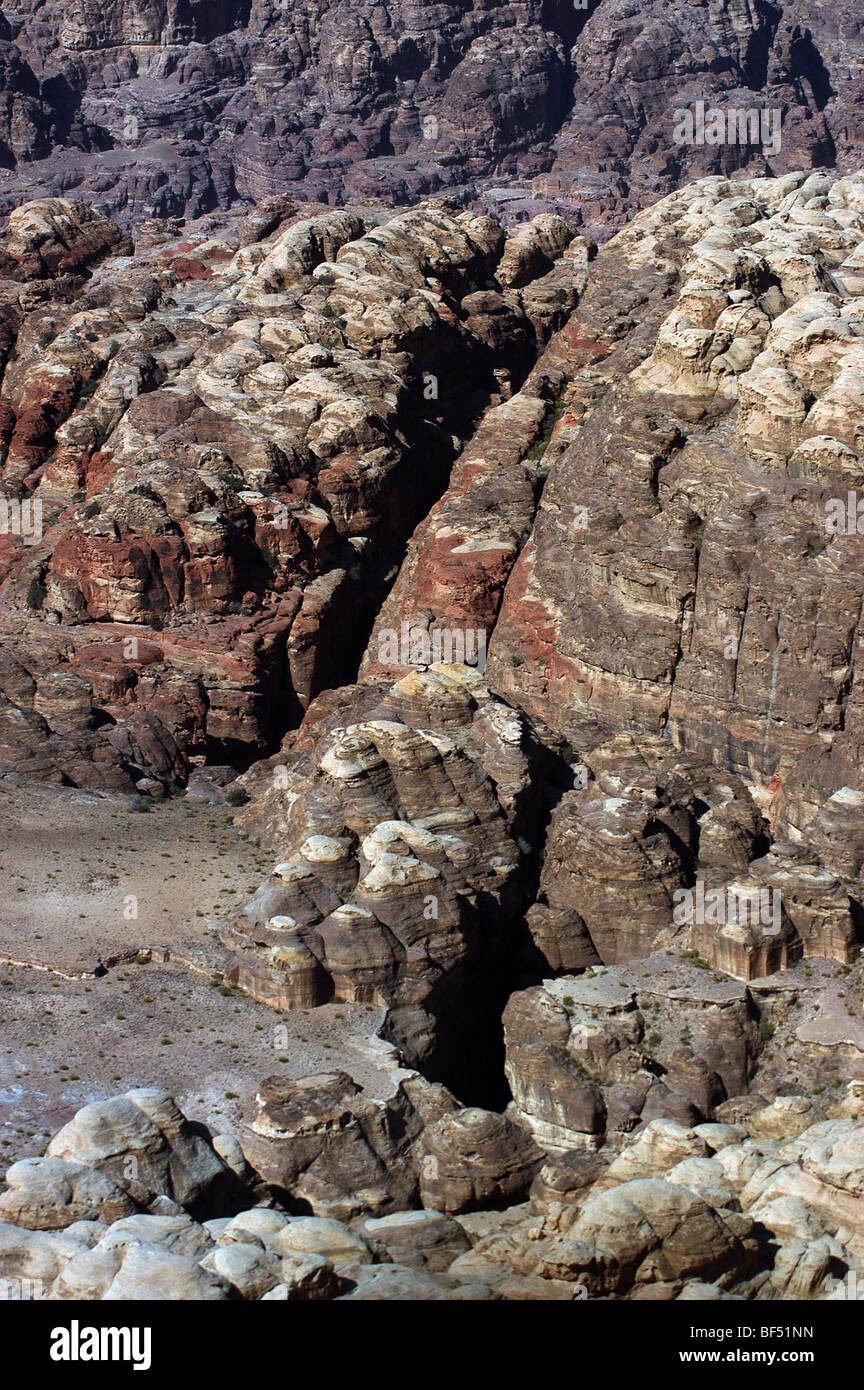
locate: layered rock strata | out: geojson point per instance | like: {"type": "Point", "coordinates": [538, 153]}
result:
{"type": "Point", "coordinates": [214, 453]}
{"type": "Point", "coordinates": [177, 109]}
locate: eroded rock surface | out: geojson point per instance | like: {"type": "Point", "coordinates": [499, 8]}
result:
{"type": "Point", "coordinates": [766, 1208]}
{"type": "Point", "coordinates": [399, 812]}
{"type": "Point", "coordinates": [214, 451]}
{"type": "Point", "coordinates": [599, 868]}
{"type": "Point", "coordinates": [175, 109]}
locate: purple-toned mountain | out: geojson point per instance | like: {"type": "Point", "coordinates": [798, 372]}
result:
{"type": "Point", "coordinates": [172, 107]}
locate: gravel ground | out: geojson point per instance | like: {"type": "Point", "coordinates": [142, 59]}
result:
{"type": "Point", "coordinates": [68, 860]}
{"type": "Point", "coordinates": [85, 880]}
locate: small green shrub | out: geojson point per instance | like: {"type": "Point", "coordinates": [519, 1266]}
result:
{"type": "Point", "coordinates": [145, 490]}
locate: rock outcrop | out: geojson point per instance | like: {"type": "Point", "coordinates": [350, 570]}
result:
{"type": "Point", "coordinates": [399, 812]}
{"type": "Point", "coordinates": [768, 1208]}
{"type": "Point", "coordinates": [601, 1054]}
{"type": "Point", "coordinates": [214, 453]}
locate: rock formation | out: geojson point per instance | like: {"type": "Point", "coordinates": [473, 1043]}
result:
{"type": "Point", "coordinates": [403, 873]}
{"type": "Point", "coordinates": [226, 444]}
{"type": "Point", "coordinates": [174, 109]}
{"type": "Point", "coordinates": [764, 1208]}
{"type": "Point", "coordinates": [507, 590]}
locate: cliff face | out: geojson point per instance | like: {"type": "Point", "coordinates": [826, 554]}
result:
{"type": "Point", "coordinates": [705, 592]}
{"type": "Point", "coordinates": [175, 108]}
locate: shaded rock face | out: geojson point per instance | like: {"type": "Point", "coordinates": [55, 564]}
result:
{"type": "Point", "coordinates": [399, 815]}
{"type": "Point", "coordinates": [175, 109]}
{"type": "Point", "coordinates": [216, 450]}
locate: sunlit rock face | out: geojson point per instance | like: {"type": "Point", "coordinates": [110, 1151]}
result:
{"type": "Point", "coordinates": [215, 447]}
{"type": "Point", "coordinates": [399, 819]}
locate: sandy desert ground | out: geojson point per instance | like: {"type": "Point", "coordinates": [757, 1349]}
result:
{"type": "Point", "coordinates": [85, 1014]}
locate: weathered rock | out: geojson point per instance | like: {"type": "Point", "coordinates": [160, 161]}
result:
{"type": "Point", "coordinates": [34, 1259]}
{"type": "Point", "coordinates": [475, 1159]}
{"type": "Point", "coordinates": [215, 452]}
{"type": "Point", "coordinates": [697, 554]}
{"type": "Point", "coordinates": [824, 1170]}
{"type": "Point", "coordinates": [649, 1230]}
{"type": "Point", "coordinates": [58, 236]}
{"type": "Point", "coordinates": [334, 1148]}
{"type": "Point", "coordinates": [195, 109]}
{"type": "Point", "coordinates": [144, 1139]}
{"type": "Point", "coordinates": [425, 1240]}
{"type": "Point", "coordinates": [411, 1285]}
{"type": "Point", "coordinates": [308, 1278]}
{"type": "Point", "coordinates": [618, 849]}
{"type": "Point", "coordinates": [179, 1235]}
{"type": "Point", "coordinates": [658, 1039]}
{"type": "Point", "coordinates": [150, 1274]}
{"type": "Point", "coordinates": [316, 1235]}
{"type": "Point", "coordinates": [47, 1194]}
{"type": "Point", "coordinates": [402, 866]}
{"type": "Point", "coordinates": [251, 1270]}
{"type": "Point", "coordinates": [679, 1212]}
